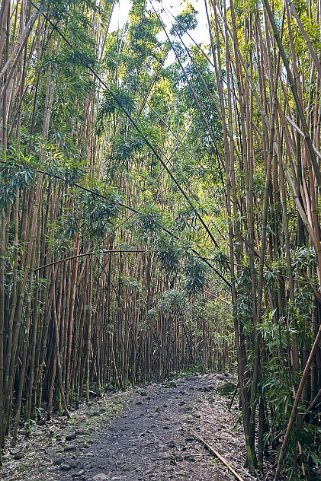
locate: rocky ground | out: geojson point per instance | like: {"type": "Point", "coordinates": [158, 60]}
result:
{"type": "Point", "coordinates": [143, 434]}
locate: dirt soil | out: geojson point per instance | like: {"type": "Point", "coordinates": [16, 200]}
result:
{"type": "Point", "coordinates": [142, 434]}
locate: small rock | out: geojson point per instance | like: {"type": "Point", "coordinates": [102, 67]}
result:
{"type": "Point", "coordinates": [189, 457]}
{"type": "Point", "coordinates": [143, 393]}
{"type": "Point", "coordinates": [100, 477]}
{"type": "Point", "coordinates": [57, 461]}
{"type": "Point", "coordinates": [65, 467]}
{"type": "Point", "coordinates": [69, 447]}
{"type": "Point", "coordinates": [94, 413]}
{"type": "Point", "coordinates": [15, 451]}
{"type": "Point", "coordinates": [149, 471]}
{"type": "Point", "coordinates": [18, 456]}
{"type": "Point", "coordinates": [166, 456]}
{"type": "Point", "coordinates": [51, 452]}
{"type": "Point", "coordinates": [83, 445]}
{"type": "Point", "coordinates": [189, 421]}
{"type": "Point", "coordinates": [81, 432]}
{"type": "Point", "coordinates": [71, 436]}
{"type": "Point", "coordinates": [79, 474]}
{"type": "Point", "coordinates": [209, 388]}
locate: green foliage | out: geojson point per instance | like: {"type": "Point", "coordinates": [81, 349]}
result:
{"type": "Point", "coordinates": [62, 233]}
{"type": "Point", "coordinates": [274, 273]}
{"type": "Point", "coordinates": [98, 213]}
{"type": "Point", "coordinates": [125, 147]}
{"type": "Point", "coordinates": [173, 301]}
{"type": "Point", "coordinates": [222, 261]}
{"type": "Point", "coordinates": [169, 253]}
{"type": "Point", "coordinates": [60, 9]}
{"type": "Point", "coordinates": [309, 437]}
{"type": "Point", "coordinates": [186, 20]}
{"type": "Point", "coordinates": [303, 258]}
{"type": "Point", "coordinates": [130, 282]}
{"type": "Point", "coordinates": [143, 28]}
{"type": "Point", "coordinates": [149, 221]}
{"type": "Point", "coordinates": [196, 275]}
{"type": "Point", "coordinates": [13, 177]}
{"type": "Point", "coordinates": [116, 99]}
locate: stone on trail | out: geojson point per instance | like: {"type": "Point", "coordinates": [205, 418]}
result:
{"type": "Point", "coordinates": [82, 432]}
{"type": "Point", "coordinates": [93, 414]}
{"type": "Point", "coordinates": [51, 452]}
{"type": "Point", "coordinates": [69, 447]}
{"type": "Point", "coordinates": [189, 457]}
{"type": "Point", "coordinates": [15, 451]}
{"type": "Point", "coordinates": [171, 444]}
{"type": "Point", "coordinates": [79, 474]}
{"type": "Point", "coordinates": [18, 456]}
{"type": "Point", "coordinates": [100, 477]}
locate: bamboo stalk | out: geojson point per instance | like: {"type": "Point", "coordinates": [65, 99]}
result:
{"type": "Point", "coordinates": [218, 456]}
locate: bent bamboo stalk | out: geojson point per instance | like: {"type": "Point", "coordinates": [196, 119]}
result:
{"type": "Point", "coordinates": [217, 455]}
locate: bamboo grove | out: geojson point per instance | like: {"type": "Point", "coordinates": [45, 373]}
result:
{"type": "Point", "coordinates": [160, 211]}
{"type": "Point", "coordinates": [105, 276]}
{"type": "Point", "coordinates": [266, 59]}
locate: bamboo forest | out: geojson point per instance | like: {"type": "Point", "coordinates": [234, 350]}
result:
{"type": "Point", "coordinates": [160, 240]}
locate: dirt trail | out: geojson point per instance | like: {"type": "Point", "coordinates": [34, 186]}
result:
{"type": "Point", "coordinates": [148, 439]}
{"type": "Point", "coordinates": [152, 440]}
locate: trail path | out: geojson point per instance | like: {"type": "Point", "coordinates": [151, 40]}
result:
{"type": "Point", "coordinates": [148, 439]}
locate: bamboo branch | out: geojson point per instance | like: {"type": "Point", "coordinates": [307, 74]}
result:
{"type": "Point", "coordinates": [297, 128]}
{"type": "Point", "coordinates": [217, 455]}
{"type": "Point", "coordinates": [84, 254]}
